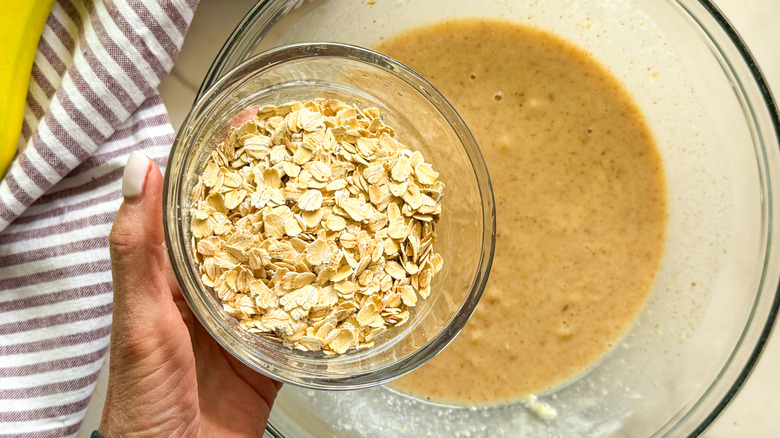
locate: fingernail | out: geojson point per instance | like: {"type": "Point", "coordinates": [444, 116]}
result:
{"type": "Point", "coordinates": [133, 179]}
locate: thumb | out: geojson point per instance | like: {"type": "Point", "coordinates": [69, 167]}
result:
{"type": "Point", "coordinates": [151, 368]}
{"type": "Point", "coordinates": [136, 240]}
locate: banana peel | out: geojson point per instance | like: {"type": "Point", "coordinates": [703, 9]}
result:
{"type": "Point", "coordinates": [21, 24]}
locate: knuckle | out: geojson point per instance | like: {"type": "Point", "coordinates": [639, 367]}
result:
{"type": "Point", "coordinates": [121, 240]}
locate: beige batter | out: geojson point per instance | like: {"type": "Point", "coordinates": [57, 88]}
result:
{"type": "Point", "coordinates": [580, 200]}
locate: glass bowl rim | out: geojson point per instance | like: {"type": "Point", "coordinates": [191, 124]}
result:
{"type": "Point", "coordinates": [771, 106]}
{"type": "Point", "coordinates": [211, 321]}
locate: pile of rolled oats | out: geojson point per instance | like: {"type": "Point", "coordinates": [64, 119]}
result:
{"type": "Point", "coordinates": [315, 226]}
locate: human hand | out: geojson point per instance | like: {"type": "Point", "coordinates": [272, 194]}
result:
{"type": "Point", "coordinates": [167, 376]}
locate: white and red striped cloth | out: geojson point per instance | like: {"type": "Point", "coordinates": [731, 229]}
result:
{"type": "Point", "coordinates": [92, 100]}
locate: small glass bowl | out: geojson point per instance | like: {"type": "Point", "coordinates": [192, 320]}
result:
{"type": "Point", "coordinates": [423, 120]}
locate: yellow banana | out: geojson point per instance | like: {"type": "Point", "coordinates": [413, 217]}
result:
{"type": "Point", "coordinates": [21, 24]}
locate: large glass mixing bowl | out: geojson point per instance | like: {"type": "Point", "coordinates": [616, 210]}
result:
{"type": "Point", "coordinates": [716, 297]}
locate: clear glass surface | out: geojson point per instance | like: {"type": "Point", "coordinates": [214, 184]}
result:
{"type": "Point", "coordinates": [716, 297]}
{"type": "Point", "coordinates": [423, 121]}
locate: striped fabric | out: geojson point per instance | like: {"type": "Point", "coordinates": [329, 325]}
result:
{"type": "Point", "coordinates": [92, 100]}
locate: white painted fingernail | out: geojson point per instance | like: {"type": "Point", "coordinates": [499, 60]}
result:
{"type": "Point", "coordinates": [133, 179]}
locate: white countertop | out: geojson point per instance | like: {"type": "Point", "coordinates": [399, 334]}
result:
{"type": "Point", "coordinates": [753, 413]}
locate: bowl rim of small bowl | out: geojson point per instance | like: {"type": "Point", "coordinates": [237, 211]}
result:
{"type": "Point", "coordinates": [176, 237]}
